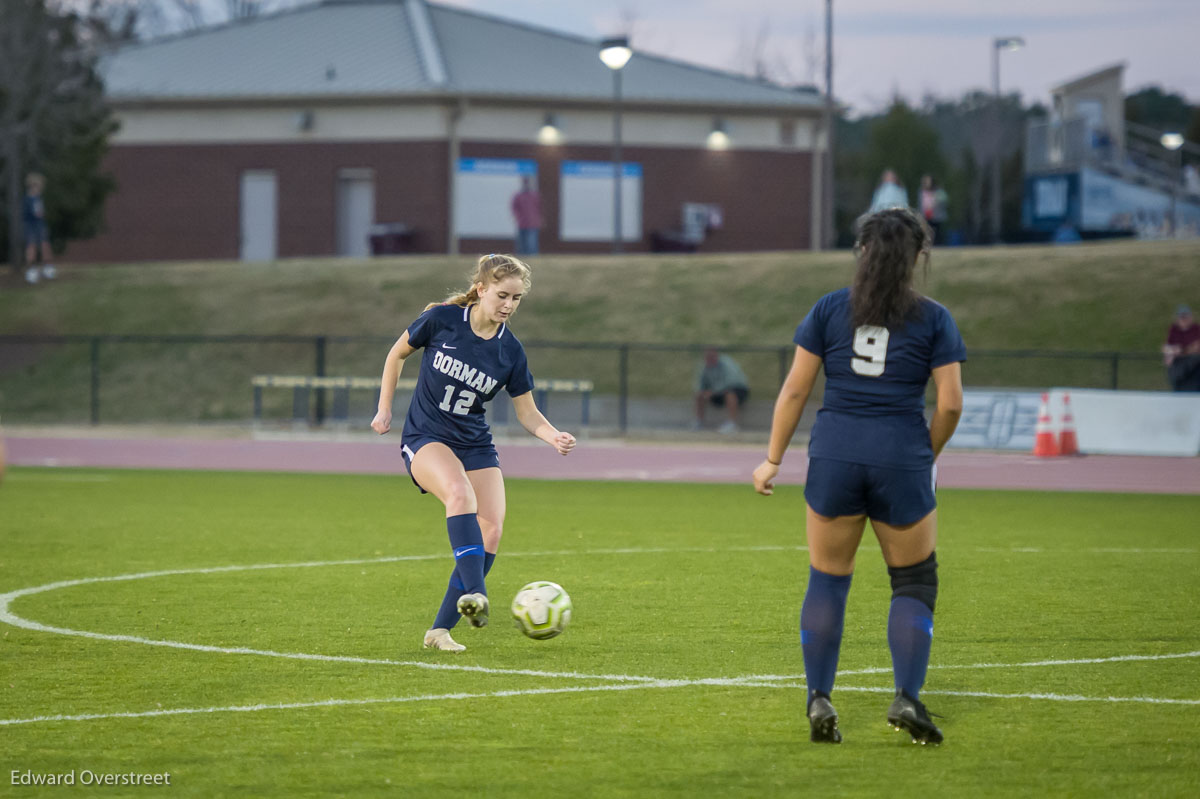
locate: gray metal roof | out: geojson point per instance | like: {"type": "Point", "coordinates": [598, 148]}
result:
{"type": "Point", "coordinates": [348, 48]}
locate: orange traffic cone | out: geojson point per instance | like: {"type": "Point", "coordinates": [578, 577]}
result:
{"type": "Point", "coordinates": [1068, 442]}
{"type": "Point", "coordinates": [1045, 445]}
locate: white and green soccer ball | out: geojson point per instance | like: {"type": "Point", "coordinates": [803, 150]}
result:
{"type": "Point", "coordinates": [541, 610]}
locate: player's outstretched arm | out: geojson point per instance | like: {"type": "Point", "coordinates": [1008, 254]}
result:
{"type": "Point", "coordinates": [538, 426]}
{"type": "Point", "coordinates": [948, 382]}
{"type": "Point", "coordinates": [387, 384]}
{"type": "Point", "coordinates": [789, 405]}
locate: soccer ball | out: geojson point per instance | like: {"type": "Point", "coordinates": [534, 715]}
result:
{"type": "Point", "coordinates": [541, 610]}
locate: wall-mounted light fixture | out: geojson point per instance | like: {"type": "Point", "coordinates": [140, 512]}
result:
{"type": "Point", "coordinates": [718, 138]}
{"type": "Point", "coordinates": [551, 130]}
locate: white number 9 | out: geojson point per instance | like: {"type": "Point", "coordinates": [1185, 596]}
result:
{"type": "Point", "coordinates": [870, 345]}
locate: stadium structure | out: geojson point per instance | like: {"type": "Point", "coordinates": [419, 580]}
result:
{"type": "Point", "coordinates": [1089, 173]}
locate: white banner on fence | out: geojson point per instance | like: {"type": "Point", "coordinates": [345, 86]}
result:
{"type": "Point", "coordinates": [1132, 422]}
{"type": "Point", "coordinates": [997, 420]}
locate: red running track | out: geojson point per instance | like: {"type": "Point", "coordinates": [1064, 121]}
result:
{"type": "Point", "coordinates": [599, 460]}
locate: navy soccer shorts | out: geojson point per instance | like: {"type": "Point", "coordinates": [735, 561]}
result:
{"type": "Point", "coordinates": [893, 496]}
{"type": "Point", "coordinates": [472, 458]}
{"type": "Point", "coordinates": [35, 233]}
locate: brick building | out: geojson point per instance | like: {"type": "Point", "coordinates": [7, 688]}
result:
{"type": "Point", "coordinates": [301, 133]}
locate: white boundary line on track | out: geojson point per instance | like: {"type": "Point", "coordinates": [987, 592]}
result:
{"type": "Point", "coordinates": [623, 681]}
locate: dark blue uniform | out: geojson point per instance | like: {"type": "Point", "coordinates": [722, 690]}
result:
{"type": "Point", "coordinates": [459, 373]}
{"type": "Point", "coordinates": [869, 451]}
{"type": "Point", "coordinates": [33, 211]}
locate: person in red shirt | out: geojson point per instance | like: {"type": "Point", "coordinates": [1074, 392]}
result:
{"type": "Point", "coordinates": [527, 211]}
{"type": "Point", "coordinates": [1182, 351]}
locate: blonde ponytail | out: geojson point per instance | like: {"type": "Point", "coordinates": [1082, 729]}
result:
{"type": "Point", "coordinates": [490, 269]}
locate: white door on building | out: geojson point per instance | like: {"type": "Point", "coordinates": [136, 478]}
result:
{"type": "Point", "coordinates": [260, 216]}
{"type": "Point", "coordinates": [355, 211]}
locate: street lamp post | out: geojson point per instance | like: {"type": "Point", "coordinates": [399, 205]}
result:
{"type": "Point", "coordinates": [1174, 143]}
{"type": "Point", "coordinates": [998, 44]}
{"type": "Point", "coordinates": [828, 235]}
{"type": "Point", "coordinates": [615, 54]}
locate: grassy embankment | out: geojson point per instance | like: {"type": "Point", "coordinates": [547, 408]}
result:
{"type": "Point", "coordinates": [1095, 298]}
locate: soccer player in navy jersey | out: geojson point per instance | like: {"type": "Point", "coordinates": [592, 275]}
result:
{"type": "Point", "coordinates": [470, 354]}
{"type": "Point", "coordinates": [871, 456]}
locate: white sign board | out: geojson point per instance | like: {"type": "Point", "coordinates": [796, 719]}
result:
{"type": "Point", "coordinates": [483, 192]}
{"type": "Point", "coordinates": [1133, 422]}
{"type": "Point", "coordinates": [586, 201]}
{"type": "Point", "coordinates": [997, 420]}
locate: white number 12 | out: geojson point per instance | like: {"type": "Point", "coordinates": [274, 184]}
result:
{"type": "Point", "coordinates": [465, 400]}
{"type": "Point", "coordinates": [870, 344]}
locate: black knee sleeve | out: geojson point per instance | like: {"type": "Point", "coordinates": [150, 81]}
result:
{"type": "Point", "coordinates": [918, 581]}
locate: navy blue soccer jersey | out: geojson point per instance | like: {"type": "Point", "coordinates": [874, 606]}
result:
{"type": "Point", "coordinates": [875, 378]}
{"type": "Point", "coordinates": [459, 373]}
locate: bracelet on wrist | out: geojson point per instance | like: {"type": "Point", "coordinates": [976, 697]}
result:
{"type": "Point", "coordinates": [774, 463]}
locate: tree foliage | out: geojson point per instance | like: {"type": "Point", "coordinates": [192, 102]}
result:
{"type": "Point", "coordinates": [1155, 108]}
{"type": "Point", "coordinates": [53, 118]}
{"type": "Point", "coordinates": [901, 140]}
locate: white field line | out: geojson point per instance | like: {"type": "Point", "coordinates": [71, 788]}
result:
{"type": "Point", "coordinates": [1051, 697]}
{"type": "Point", "coordinates": [1035, 663]}
{"type": "Point", "coordinates": [6, 616]}
{"type": "Point", "coordinates": [734, 682]}
{"type": "Point", "coordinates": [334, 703]}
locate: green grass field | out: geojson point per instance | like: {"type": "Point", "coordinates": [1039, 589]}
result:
{"type": "Point", "coordinates": [680, 676]}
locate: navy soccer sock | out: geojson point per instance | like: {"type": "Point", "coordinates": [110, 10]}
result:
{"type": "Point", "coordinates": [471, 564]}
{"type": "Point", "coordinates": [821, 619]}
{"type": "Point", "coordinates": [910, 634]}
{"type": "Point", "coordinates": [447, 615]}
{"type": "Point", "coordinates": [467, 541]}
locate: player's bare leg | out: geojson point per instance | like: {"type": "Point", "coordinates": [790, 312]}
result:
{"type": "Point", "coordinates": [833, 541]}
{"type": "Point", "coordinates": [491, 505]}
{"type": "Point", "coordinates": [439, 471]}
{"type": "Point", "coordinates": [904, 546]}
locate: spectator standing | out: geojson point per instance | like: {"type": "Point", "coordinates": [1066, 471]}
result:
{"type": "Point", "coordinates": [1181, 353]}
{"type": "Point", "coordinates": [37, 236]}
{"type": "Point", "coordinates": [721, 382]}
{"type": "Point", "coordinates": [932, 201]}
{"type": "Point", "coordinates": [889, 193]}
{"type": "Point", "coordinates": [527, 211]}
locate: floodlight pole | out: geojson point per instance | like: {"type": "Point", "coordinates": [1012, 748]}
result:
{"type": "Point", "coordinates": [828, 234]}
{"type": "Point", "coordinates": [1174, 142]}
{"type": "Point", "coordinates": [996, 217]}
{"type": "Point", "coordinates": [615, 54]}
{"type": "Point", "coordinates": [617, 242]}
{"type": "Point", "coordinates": [998, 44]}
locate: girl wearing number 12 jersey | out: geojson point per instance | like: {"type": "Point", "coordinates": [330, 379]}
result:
{"type": "Point", "coordinates": [470, 354]}
{"type": "Point", "coordinates": [871, 456]}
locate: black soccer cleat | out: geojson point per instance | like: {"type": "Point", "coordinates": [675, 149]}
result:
{"type": "Point", "coordinates": [910, 715]}
{"type": "Point", "coordinates": [823, 722]}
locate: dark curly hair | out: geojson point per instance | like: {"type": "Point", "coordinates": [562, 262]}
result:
{"type": "Point", "coordinates": [890, 242]}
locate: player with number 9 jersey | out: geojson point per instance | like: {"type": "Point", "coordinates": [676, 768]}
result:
{"type": "Point", "coordinates": [875, 379]}
{"type": "Point", "coordinates": [871, 457]}
{"type": "Point", "coordinates": [470, 355]}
